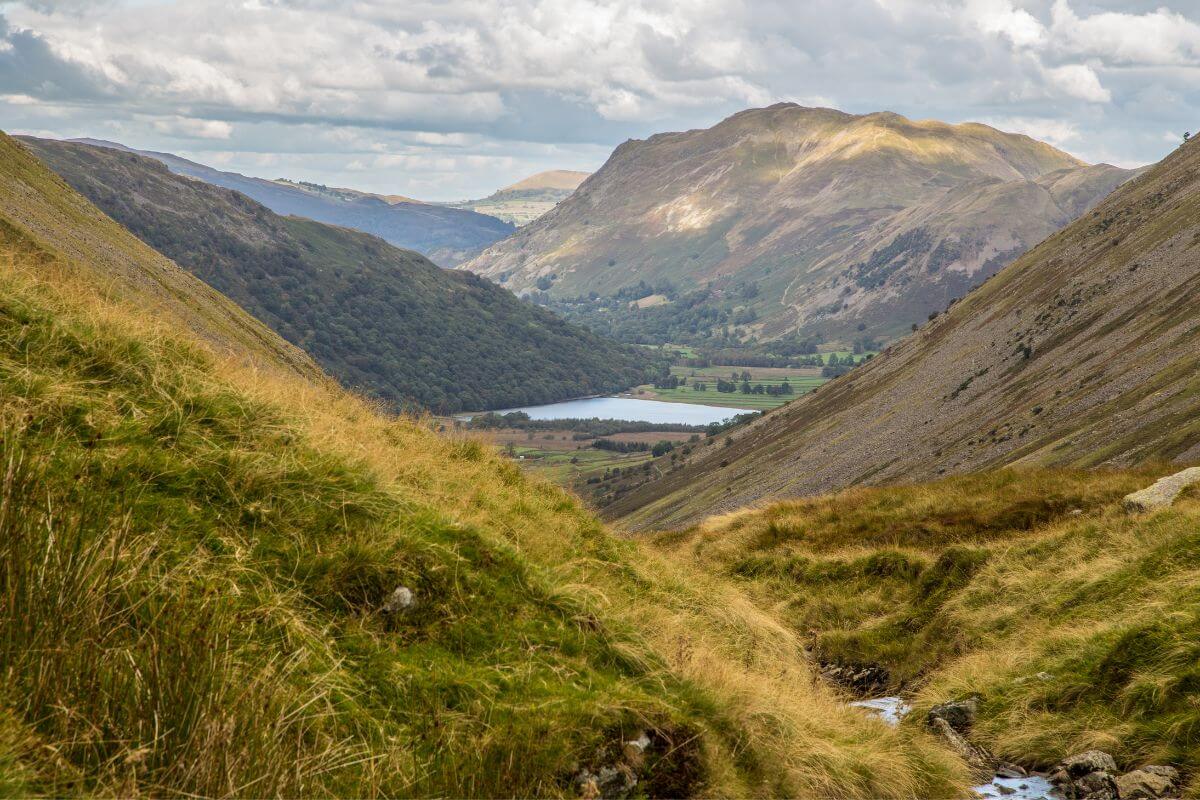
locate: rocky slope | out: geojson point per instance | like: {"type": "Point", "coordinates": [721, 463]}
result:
{"type": "Point", "coordinates": [1083, 352]}
{"type": "Point", "coordinates": [382, 319]}
{"type": "Point", "coordinates": [446, 235]}
{"type": "Point", "coordinates": [812, 220]}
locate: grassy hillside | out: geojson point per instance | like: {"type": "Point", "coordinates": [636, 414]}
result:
{"type": "Point", "coordinates": [195, 549]}
{"type": "Point", "coordinates": [1083, 352]}
{"type": "Point", "coordinates": [382, 319]}
{"type": "Point", "coordinates": [788, 222]}
{"type": "Point", "coordinates": [1074, 622]}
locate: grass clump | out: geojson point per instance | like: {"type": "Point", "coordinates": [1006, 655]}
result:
{"type": "Point", "coordinates": [1074, 622]}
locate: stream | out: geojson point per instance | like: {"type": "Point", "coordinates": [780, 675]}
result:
{"type": "Point", "coordinates": [1032, 787]}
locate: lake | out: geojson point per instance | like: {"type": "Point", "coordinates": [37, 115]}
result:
{"type": "Point", "coordinates": [631, 410]}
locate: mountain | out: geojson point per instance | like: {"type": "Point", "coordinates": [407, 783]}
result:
{"type": "Point", "coordinates": [374, 316]}
{"type": "Point", "coordinates": [529, 198]}
{"type": "Point", "coordinates": [445, 235]}
{"type": "Point", "coordinates": [790, 220]}
{"type": "Point", "coordinates": [1083, 352]}
{"type": "Point", "coordinates": [224, 575]}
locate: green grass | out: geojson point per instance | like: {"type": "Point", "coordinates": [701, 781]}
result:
{"type": "Point", "coordinates": [209, 570]}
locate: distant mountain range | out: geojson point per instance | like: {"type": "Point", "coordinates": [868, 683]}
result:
{"type": "Point", "coordinates": [376, 317]}
{"type": "Point", "coordinates": [445, 235]}
{"type": "Point", "coordinates": [528, 199]}
{"type": "Point", "coordinates": [1084, 352]}
{"type": "Point", "coordinates": [794, 221]}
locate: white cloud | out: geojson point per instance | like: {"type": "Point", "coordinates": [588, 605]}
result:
{"type": "Point", "coordinates": [536, 80]}
{"type": "Point", "coordinates": [1080, 81]}
{"type": "Point", "coordinates": [1058, 132]}
{"type": "Point", "coordinates": [190, 128]}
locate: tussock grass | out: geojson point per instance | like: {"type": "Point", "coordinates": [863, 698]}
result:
{"type": "Point", "coordinates": [194, 551]}
{"type": "Point", "coordinates": [1076, 623]}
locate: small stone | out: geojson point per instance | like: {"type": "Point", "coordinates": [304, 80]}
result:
{"type": "Point", "coordinates": [1087, 762]}
{"type": "Point", "coordinates": [401, 600]}
{"type": "Point", "coordinates": [1005, 789]}
{"type": "Point", "coordinates": [960, 714]}
{"type": "Point", "coordinates": [980, 762]}
{"type": "Point", "coordinates": [1011, 771]}
{"type": "Point", "coordinates": [1142, 784]}
{"type": "Point", "coordinates": [1096, 786]}
{"type": "Point", "coordinates": [635, 749]}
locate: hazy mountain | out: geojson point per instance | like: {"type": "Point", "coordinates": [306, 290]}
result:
{"type": "Point", "coordinates": [445, 235]}
{"type": "Point", "coordinates": [374, 316]}
{"type": "Point", "coordinates": [528, 199]}
{"type": "Point", "coordinates": [1083, 352]}
{"type": "Point", "coordinates": [801, 219]}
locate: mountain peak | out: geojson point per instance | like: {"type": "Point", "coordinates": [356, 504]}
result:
{"type": "Point", "coordinates": [841, 225]}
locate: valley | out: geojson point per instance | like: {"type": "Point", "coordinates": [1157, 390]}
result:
{"type": "Point", "coordinates": [791, 453]}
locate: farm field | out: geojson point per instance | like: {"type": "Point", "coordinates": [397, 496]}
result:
{"type": "Point", "coordinates": [800, 379]}
{"type": "Point", "coordinates": [557, 456]}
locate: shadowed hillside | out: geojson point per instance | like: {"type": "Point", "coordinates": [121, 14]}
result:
{"type": "Point", "coordinates": [376, 317]}
{"type": "Point", "coordinates": [446, 235]}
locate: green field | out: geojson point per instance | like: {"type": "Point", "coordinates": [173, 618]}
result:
{"type": "Point", "coordinates": [802, 380]}
{"type": "Point", "coordinates": [566, 467]}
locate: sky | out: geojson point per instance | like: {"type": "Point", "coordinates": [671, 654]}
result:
{"type": "Point", "coordinates": [445, 100]}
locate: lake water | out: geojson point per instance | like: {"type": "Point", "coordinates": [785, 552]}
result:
{"type": "Point", "coordinates": [631, 409]}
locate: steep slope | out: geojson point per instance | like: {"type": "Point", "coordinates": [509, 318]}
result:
{"type": "Point", "coordinates": [1082, 352]}
{"type": "Point", "coordinates": [196, 556]}
{"type": "Point", "coordinates": [41, 218]}
{"type": "Point", "coordinates": [445, 235]}
{"type": "Point", "coordinates": [529, 198]}
{"type": "Point", "coordinates": [376, 317]}
{"type": "Point", "coordinates": [804, 220]}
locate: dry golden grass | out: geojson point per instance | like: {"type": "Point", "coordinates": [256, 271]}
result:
{"type": "Point", "coordinates": [704, 657]}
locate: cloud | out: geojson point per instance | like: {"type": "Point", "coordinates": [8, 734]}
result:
{"type": "Point", "coordinates": [190, 128]}
{"type": "Point", "coordinates": [1078, 80]}
{"type": "Point", "coordinates": [346, 81]}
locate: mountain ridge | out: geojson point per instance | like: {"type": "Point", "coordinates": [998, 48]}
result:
{"type": "Point", "coordinates": [445, 235]}
{"type": "Point", "coordinates": [815, 210]}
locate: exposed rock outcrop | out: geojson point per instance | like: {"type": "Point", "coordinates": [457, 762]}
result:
{"type": "Point", "coordinates": [1162, 493]}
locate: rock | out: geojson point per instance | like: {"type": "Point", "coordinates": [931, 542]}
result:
{"type": "Point", "coordinates": [979, 760]}
{"type": "Point", "coordinates": [635, 749]}
{"type": "Point", "coordinates": [1095, 786]}
{"type": "Point", "coordinates": [1087, 762]}
{"type": "Point", "coordinates": [1162, 493]}
{"type": "Point", "coordinates": [1148, 783]}
{"type": "Point", "coordinates": [1011, 771]}
{"type": "Point", "coordinates": [959, 713]}
{"type": "Point", "coordinates": [401, 600]}
{"type": "Point", "coordinates": [607, 783]}
{"type": "Point", "coordinates": [1002, 789]}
